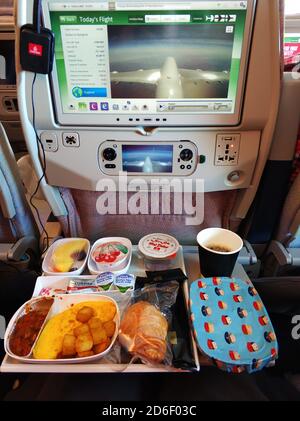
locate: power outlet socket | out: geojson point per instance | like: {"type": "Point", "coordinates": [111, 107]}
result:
{"type": "Point", "coordinates": [227, 149]}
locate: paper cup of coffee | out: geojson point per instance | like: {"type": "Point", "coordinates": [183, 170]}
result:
{"type": "Point", "coordinates": [218, 251]}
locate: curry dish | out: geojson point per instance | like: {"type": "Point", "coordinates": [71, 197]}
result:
{"type": "Point", "coordinates": [28, 327]}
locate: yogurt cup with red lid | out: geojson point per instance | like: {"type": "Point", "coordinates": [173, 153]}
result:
{"type": "Point", "coordinates": [158, 246]}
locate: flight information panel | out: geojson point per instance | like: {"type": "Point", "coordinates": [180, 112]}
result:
{"type": "Point", "coordinates": [149, 58]}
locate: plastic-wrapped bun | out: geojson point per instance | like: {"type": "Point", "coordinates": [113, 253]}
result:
{"type": "Point", "coordinates": [143, 332]}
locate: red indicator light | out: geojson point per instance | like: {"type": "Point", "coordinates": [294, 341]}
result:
{"type": "Point", "coordinates": [35, 49]}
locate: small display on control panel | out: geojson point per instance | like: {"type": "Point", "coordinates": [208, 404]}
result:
{"type": "Point", "coordinates": [227, 149]}
{"type": "Point", "coordinates": [174, 158]}
{"type": "Point", "coordinates": [147, 158]}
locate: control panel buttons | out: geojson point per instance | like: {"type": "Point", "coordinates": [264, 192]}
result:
{"type": "Point", "coordinates": [71, 140]}
{"type": "Point", "coordinates": [109, 154]}
{"type": "Point", "coordinates": [234, 177]}
{"type": "Point", "coordinates": [178, 158]}
{"type": "Point", "coordinates": [186, 155]}
{"type": "Point", "coordinates": [202, 159]}
{"type": "Point", "coordinates": [49, 141]}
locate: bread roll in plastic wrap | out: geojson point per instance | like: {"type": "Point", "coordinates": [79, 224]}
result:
{"type": "Point", "coordinates": [143, 332]}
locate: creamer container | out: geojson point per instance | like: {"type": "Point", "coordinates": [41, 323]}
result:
{"type": "Point", "coordinates": [104, 281]}
{"type": "Point", "coordinates": [124, 282]}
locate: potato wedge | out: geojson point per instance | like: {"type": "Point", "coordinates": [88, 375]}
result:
{"type": "Point", "coordinates": [82, 330]}
{"type": "Point", "coordinates": [84, 314]}
{"type": "Point", "coordinates": [98, 335]}
{"type": "Point", "coordinates": [102, 346]}
{"type": "Point", "coordinates": [107, 311]}
{"type": "Point", "coordinates": [84, 343]}
{"type": "Point", "coordinates": [110, 328]}
{"type": "Point", "coordinates": [68, 346]}
{"type": "Point", "coordinates": [85, 354]}
{"type": "Point", "coordinates": [95, 323]}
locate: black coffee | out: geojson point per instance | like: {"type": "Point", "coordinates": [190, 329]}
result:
{"type": "Point", "coordinates": [216, 247]}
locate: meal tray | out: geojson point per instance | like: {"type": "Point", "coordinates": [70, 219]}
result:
{"type": "Point", "coordinates": [10, 365]}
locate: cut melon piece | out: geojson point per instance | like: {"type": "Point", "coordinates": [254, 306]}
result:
{"type": "Point", "coordinates": [64, 255]}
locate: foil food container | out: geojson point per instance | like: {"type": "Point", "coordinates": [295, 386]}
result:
{"type": "Point", "coordinates": [59, 304]}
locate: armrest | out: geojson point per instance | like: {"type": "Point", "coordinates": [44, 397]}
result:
{"type": "Point", "coordinates": [17, 251]}
{"type": "Point", "coordinates": [247, 255]}
{"type": "Point", "coordinates": [284, 256]}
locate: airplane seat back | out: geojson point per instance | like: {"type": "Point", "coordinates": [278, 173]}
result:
{"type": "Point", "coordinates": [288, 232]}
{"type": "Point", "coordinates": [272, 214]}
{"type": "Point", "coordinates": [73, 170]}
{"type": "Point", "coordinates": [6, 8]}
{"type": "Point", "coordinates": [17, 224]}
{"type": "Point", "coordinates": [289, 228]}
{"type": "Point", "coordinates": [265, 214]}
{"type": "Point", "coordinates": [6, 234]}
{"type": "Point", "coordinates": [283, 253]}
{"type": "Point", "coordinates": [9, 110]}
{"type": "Point", "coordinates": [83, 219]}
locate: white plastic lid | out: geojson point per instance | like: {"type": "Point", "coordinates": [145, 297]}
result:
{"type": "Point", "coordinates": [158, 246]}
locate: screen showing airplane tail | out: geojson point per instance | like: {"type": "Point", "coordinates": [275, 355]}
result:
{"type": "Point", "coordinates": [147, 158]}
{"type": "Point", "coordinates": [121, 58]}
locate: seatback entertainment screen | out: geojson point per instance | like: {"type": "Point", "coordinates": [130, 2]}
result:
{"type": "Point", "coordinates": [149, 58]}
{"type": "Point", "coordinates": [292, 49]}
